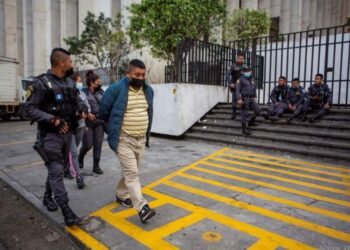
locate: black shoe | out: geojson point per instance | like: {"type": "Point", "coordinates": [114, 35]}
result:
{"type": "Point", "coordinates": [252, 124]}
{"type": "Point", "coordinates": [70, 218]}
{"type": "Point", "coordinates": [245, 129]}
{"type": "Point", "coordinates": [266, 116]}
{"type": "Point", "coordinates": [96, 168]}
{"type": "Point", "coordinates": [80, 182]}
{"type": "Point", "coordinates": [302, 118]}
{"type": "Point", "coordinates": [312, 120]}
{"type": "Point", "coordinates": [81, 160]}
{"type": "Point", "coordinates": [233, 116]}
{"type": "Point", "coordinates": [290, 119]}
{"type": "Point", "coordinates": [274, 118]}
{"type": "Point", "coordinates": [68, 175]}
{"type": "Point", "coordinates": [146, 213]}
{"type": "Point", "coordinates": [125, 203]}
{"type": "Point", "coordinates": [49, 203]}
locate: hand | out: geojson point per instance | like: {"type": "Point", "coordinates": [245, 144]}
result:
{"type": "Point", "coordinates": [254, 99]}
{"type": "Point", "coordinates": [277, 103]}
{"type": "Point", "coordinates": [326, 106]}
{"type": "Point", "coordinates": [290, 106]}
{"type": "Point", "coordinates": [83, 115]}
{"type": "Point", "coordinates": [316, 97]}
{"type": "Point", "coordinates": [293, 107]}
{"type": "Point", "coordinates": [240, 102]}
{"type": "Point", "coordinates": [61, 124]}
{"type": "Point", "coordinates": [91, 117]}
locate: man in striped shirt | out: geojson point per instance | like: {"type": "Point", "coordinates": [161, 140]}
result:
{"type": "Point", "coordinates": [127, 106]}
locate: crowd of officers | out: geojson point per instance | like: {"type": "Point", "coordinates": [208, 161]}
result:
{"type": "Point", "coordinates": [283, 98]}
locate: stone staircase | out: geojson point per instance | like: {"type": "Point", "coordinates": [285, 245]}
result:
{"type": "Point", "coordinates": [328, 138]}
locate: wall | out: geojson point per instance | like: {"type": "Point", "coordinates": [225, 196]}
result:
{"type": "Point", "coordinates": [178, 106]}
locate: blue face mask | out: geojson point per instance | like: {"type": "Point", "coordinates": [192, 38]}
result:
{"type": "Point", "coordinates": [79, 85]}
{"type": "Point", "coordinates": [247, 74]}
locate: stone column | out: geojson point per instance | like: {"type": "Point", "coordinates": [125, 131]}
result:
{"type": "Point", "coordinates": [250, 4]}
{"type": "Point", "coordinates": [2, 30]}
{"type": "Point", "coordinates": [10, 13]}
{"type": "Point", "coordinates": [295, 15]}
{"type": "Point", "coordinates": [232, 5]}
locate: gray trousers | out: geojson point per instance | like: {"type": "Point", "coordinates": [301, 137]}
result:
{"type": "Point", "coordinates": [234, 101]}
{"type": "Point", "coordinates": [298, 110]}
{"type": "Point", "coordinates": [277, 110]}
{"type": "Point", "coordinates": [73, 157]}
{"type": "Point", "coordinates": [320, 111]}
{"type": "Point", "coordinates": [56, 147]}
{"type": "Point", "coordinates": [248, 104]}
{"type": "Point", "coordinates": [93, 136]}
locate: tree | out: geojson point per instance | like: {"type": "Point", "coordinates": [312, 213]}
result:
{"type": "Point", "coordinates": [162, 24]}
{"type": "Point", "coordinates": [246, 24]}
{"type": "Point", "coordinates": [102, 43]}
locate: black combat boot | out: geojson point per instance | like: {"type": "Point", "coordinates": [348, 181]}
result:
{"type": "Point", "coordinates": [290, 119]}
{"type": "Point", "coordinates": [302, 118]}
{"type": "Point", "coordinates": [97, 168]}
{"type": "Point", "coordinates": [233, 115]}
{"type": "Point", "coordinates": [252, 122]}
{"type": "Point", "coordinates": [274, 118]}
{"type": "Point", "coordinates": [68, 174]}
{"type": "Point", "coordinates": [81, 160]}
{"type": "Point", "coordinates": [313, 119]}
{"type": "Point", "coordinates": [266, 116]}
{"type": "Point", "coordinates": [70, 218]}
{"type": "Point", "coordinates": [80, 182]}
{"type": "Point", "coordinates": [245, 129]}
{"type": "Point", "coordinates": [49, 202]}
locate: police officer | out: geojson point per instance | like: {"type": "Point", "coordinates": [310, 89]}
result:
{"type": "Point", "coordinates": [53, 102]}
{"type": "Point", "coordinates": [94, 133]}
{"type": "Point", "coordinates": [295, 99]}
{"type": "Point", "coordinates": [319, 99]}
{"type": "Point", "coordinates": [278, 103]}
{"type": "Point", "coordinates": [233, 74]}
{"type": "Point", "coordinates": [246, 98]}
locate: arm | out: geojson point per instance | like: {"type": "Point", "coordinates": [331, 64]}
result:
{"type": "Point", "coordinates": [330, 96]}
{"type": "Point", "coordinates": [107, 101]}
{"type": "Point", "coordinates": [302, 97]}
{"type": "Point", "coordinates": [273, 95]}
{"type": "Point", "coordinates": [238, 91]}
{"type": "Point", "coordinates": [229, 76]}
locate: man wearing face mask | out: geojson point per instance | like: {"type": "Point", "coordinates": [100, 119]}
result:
{"type": "Point", "coordinates": [94, 133]}
{"type": "Point", "coordinates": [246, 99]}
{"type": "Point", "coordinates": [53, 103]}
{"type": "Point", "coordinates": [127, 105]}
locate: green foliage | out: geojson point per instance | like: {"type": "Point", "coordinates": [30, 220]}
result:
{"type": "Point", "coordinates": [162, 24]}
{"type": "Point", "coordinates": [246, 24]}
{"type": "Point", "coordinates": [102, 43]}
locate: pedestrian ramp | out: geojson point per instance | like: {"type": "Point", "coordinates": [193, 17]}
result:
{"type": "Point", "coordinates": [233, 199]}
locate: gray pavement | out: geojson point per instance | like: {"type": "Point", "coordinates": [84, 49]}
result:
{"type": "Point", "coordinates": [221, 202]}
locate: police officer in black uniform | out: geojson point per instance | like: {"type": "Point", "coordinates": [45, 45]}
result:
{"type": "Point", "coordinates": [53, 102]}
{"type": "Point", "coordinates": [246, 98]}
{"type": "Point", "coordinates": [278, 103]}
{"type": "Point", "coordinates": [233, 74]}
{"type": "Point", "coordinates": [319, 99]}
{"type": "Point", "coordinates": [295, 99]}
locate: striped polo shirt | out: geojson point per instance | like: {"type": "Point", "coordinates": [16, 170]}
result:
{"type": "Point", "coordinates": [135, 121]}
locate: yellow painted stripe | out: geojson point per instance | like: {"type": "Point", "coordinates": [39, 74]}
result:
{"type": "Point", "coordinates": [86, 239]}
{"type": "Point", "coordinates": [177, 225]}
{"type": "Point", "coordinates": [254, 231]}
{"type": "Point", "coordinates": [301, 183]}
{"type": "Point", "coordinates": [15, 143]}
{"type": "Point", "coordinates": [276, 187]}
{"type": "Point", "coordinates": [268, 197]}
{"type": "Point", "coordinates": [263, 244]}
{"type": "Point", "coordinates": [262, 211]}
{"type": "Point", "coordinates": [312, 177]}
{"type": "Point", "coordinates": [346, 176]}
{"type": "Point", "coordinates": [229, 150]}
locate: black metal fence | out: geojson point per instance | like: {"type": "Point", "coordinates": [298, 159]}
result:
{"type": "Point", "coordinates": [299, 54]}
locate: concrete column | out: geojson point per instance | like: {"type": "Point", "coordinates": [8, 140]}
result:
{"type": "Point", "coordinates": [28, 55]}
{"type": "Point", "coordinates": [345, 11]}
{"type": "Point", "coordinates": [250, 4]}
{"type": "Point", "coordinates": [2, 30]}
{"type": "Point", "coordinates": [71, 10]}
{"type": "Point", "coordinates": [313, 14]}
{"type": "Point", "coordinates": [285, 17]}
{"type": "Point", "coordinates": [10, 12]}
{"type": "Point", "coordinates": [295, 15]}
{"type": "Point", "coordinates": [232, 5]}
{"type": "Point", "coordinates": [275, 8]}
{"type": "Point", "coordinates": [20, 41]}
{"type": "Point", "coordinates": [305, 14]}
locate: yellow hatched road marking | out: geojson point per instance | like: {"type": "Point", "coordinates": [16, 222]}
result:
{"type": "Point", "coordinates": [262, 211]}
{"type": "Point", "coordinates": [276, 187]}
{"type": "Point", "coordinates": [346, 176]}
{"type": "Point", "coordinates": [268, 197]}
{"type": "Point", "coordinates": [312, 177]}
{"type": "Point", "coordinates": [86, 238]}
{"type": "Point", "coordinates": [263, 244]}
{"type": "Point", "coordinates": [286, 160]}
{"type": "Point", "coordinates": [301, 183]}
{"type": "Point", "coordinates": [14, 143]}
{"type": "Point", "coordinates": [254, 231]}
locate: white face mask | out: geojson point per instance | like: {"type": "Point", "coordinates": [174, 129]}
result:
{"type": "Point", "coordinates": [79, 85]}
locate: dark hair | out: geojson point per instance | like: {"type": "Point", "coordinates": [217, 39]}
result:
{"type": "Point", "coordinates": [282, 77]}
{"type": "Point", "coordinates": [295, 79]}
{"type": "Point", "coordinates": [240, 54]}
{"type": "Point", "coordinates": [136, 63]}
{"type": "Point", "coordinates": [57, 55]}
{"type": "Point", "coordinates": [320, 75]}
{"type": "Point", "coordinates": [91, 77]}
{"type": "Point", "coordinates": [75, 76]}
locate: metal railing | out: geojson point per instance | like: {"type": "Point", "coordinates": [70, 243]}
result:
{"type": "Point", "coordinates": [299, 54]}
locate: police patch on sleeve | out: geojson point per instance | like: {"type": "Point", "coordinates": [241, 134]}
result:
{"type": "Point", "coordinates": [30, 90]}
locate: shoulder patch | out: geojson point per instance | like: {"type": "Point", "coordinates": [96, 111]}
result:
{"type": "Point", "coordinates": [30, 90]}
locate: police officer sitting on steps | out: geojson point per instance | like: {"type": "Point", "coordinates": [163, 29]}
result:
{"type": "Point", "coordinates": [295, 99]}
{"type": "Point", "coordinates": [278, 104]}
{"type": "Point", "coordinates": [246, 98]}
{"type": "Point", "coordinates": [319, 99]}
{"type": "Point", "coordinates": [53, 102]}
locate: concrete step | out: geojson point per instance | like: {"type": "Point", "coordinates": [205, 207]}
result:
{"type": "Point", "coordinates": [246, 141]}
{"type": "Point", "coordinates": [341, 146]}
{"type": "Point", "coordinates": [331, 117]}
{"type": "Point", "coordinates": [334, 110]}
{"type": "Point", "coordinates": [287, 129]}
{"type": "Point", "coordinates": [319, 123]}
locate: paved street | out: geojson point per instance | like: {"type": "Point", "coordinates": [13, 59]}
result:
{"type": "Point", "coordinates": [206, 197]}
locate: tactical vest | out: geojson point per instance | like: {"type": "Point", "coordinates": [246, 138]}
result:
{"type": "Point", "coordinates": [235, 73]}
{"type": "Point", "coordinates": [60, 102]}
{"type": "Point", "coordinates": [281, 93]}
